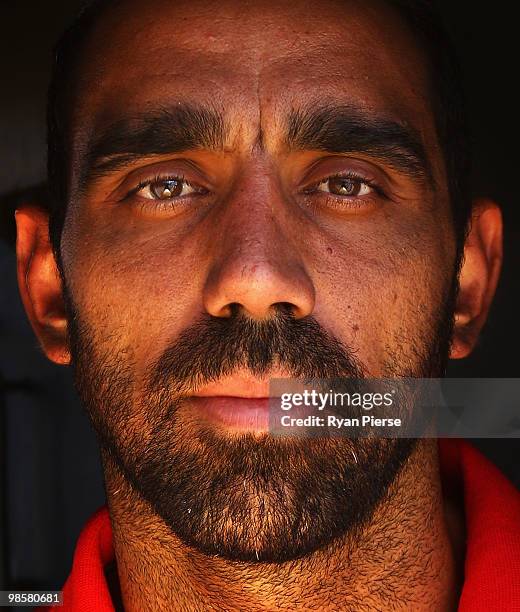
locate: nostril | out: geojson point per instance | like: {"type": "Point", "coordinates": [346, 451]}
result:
{"type": "Point", "coordinates": [227, 311]}
{"type": "Point", "coordinates": [235, 310]}
{"type": "Point", "coordinates": [285, 308]}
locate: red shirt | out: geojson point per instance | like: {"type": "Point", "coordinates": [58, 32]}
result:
{"type": "Point", "coordinates": [492, 562]}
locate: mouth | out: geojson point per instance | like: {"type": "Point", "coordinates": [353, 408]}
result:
{"type": "Point", "coordinates": [233, 413]}
{"type": "Point", "coordinates": [237, 403]}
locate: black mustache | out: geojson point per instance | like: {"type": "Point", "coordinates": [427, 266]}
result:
{"type": "Point", "coordinates": [215, 347]}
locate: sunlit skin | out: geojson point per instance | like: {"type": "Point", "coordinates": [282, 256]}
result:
{"type": "Point", "coordinates": [258, 223]}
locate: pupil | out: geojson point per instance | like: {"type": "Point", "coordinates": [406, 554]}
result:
{"type": "Point", "coordinates": [166, 189]}
{"type": "Point", "coordinates": [342, 186]}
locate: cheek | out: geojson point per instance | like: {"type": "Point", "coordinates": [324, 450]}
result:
{"type": "Point", "coordinates": [382, 292]}
{"type": "Point", "coordinates": [137, 291]}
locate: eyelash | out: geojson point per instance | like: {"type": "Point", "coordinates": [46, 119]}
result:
{"type": "Point", "coordinates": [354, 202]}
{"type": "Point", "coordinates": [351, 176]}
{"type": "Point", "coordinates": [156, 179]}
{"type": "Point", "coordinates": [162, 205]}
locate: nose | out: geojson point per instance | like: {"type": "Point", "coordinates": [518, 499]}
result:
{"type": "Point", "coordinates": [258, 265]}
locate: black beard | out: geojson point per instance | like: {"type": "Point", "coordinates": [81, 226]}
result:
{"type": "Point", "coordinates": [242, 497]}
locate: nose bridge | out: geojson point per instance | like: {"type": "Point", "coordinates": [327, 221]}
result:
{"type": "Point", "coordinates": [255, 219]}
{"type": "Point", "coordinates": [256, 263]}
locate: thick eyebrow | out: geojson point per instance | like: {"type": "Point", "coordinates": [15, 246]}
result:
{"type": "Point", "coordinates": [342, 129]}
{"type": "Point", "coordinates": [335, 129]}
{"type": "Point", "coordinates": [173, 130]}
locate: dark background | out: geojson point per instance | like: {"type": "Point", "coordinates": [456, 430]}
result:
{"type": "Point", "coordinates": [50, 479]}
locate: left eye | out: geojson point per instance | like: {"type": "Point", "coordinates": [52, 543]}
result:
{"type": "Point", "coordinates": [344, 186]}
{"type": "Point", "coordinates": [166, 189]}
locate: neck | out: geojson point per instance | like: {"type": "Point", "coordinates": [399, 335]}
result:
{"type": "Point", "coordinates": [403, 556]}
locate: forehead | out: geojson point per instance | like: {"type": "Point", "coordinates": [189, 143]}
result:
{"type": "Point", "coordinates": [252, 59]}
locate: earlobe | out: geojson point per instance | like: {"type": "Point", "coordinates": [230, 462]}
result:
{"type": "Point", "coordinates": [40, 283]}
{"type": "Point", "coordinates": [479, 276]}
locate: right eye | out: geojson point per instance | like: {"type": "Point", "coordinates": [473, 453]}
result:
{"type": "Point", "coordinates": [167, 188]}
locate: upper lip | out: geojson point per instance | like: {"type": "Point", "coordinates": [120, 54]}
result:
{"type": "Point", "coordinates": [239, 384]}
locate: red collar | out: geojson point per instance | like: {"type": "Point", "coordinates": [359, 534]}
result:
{"type": "Point", "coordinates": [492, 509]}
{"type": "Point", "coordinates": [492, 564]}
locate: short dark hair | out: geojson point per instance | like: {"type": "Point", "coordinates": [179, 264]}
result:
{"type": "Point", "coordinates": [448, 101]}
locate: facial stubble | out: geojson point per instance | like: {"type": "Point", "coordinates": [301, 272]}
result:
{"type": "Point", "coordinates": [242, 496]}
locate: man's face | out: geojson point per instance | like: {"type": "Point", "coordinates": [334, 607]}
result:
{"type": "Point", "coordinates": [257, 190]}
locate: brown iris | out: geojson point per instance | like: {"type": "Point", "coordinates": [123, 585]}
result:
{"type": "Point", "coordinates": [163, 190]}
{"type": "Point", "coordinates": [343, 186]}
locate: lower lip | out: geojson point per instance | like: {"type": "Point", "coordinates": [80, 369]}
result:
{"type": "Point", "coordinates": [236, 413]}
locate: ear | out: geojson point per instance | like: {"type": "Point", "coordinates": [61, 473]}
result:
{"type": "Point", "coordinates": [478, 276]}
{"type": "Point", "coordinates": [40, 283]}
